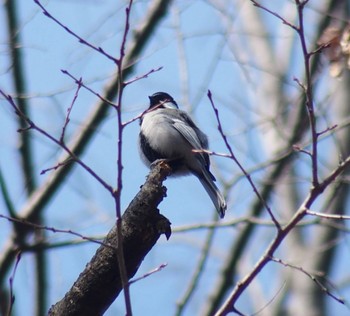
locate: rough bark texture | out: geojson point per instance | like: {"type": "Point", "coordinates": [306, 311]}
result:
{"type": "Point", "coordinates": [100, 283]}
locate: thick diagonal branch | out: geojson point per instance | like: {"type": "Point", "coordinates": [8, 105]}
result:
{"type": "Point", "coordinates": [100, 283]}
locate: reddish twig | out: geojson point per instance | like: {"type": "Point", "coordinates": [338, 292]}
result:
{"type": "Point", "coordinates": [78, 81]}
{"type": "Point", "coordinates": [54, 230]}
{"type": "Point", "coordinates": [37, 202]}
{"type": "Point", "coordinates": [80, 39]}
{"type": "Point", "coordinates": [312, 277]}
{"type": "Point", "coordinates": [137, 78]}
{"type": "Point", "coordinates": [308, 89]}
{"type": "Point", "coordinates": [229, 304]}
{"type": "Point", "coordinates": [161, 267]}
{"type": "Point", "coordinates": [275, 14]}
{"type": "Point", "coordinates": [32, 125]}
{"type": "Point", "coordinates": [58, 165]}
{"type": "Point", "coordinates": [328, 129]}
{"type": "Point", "coordinates": [142, 114]}
{"type": "Point", "coordinates": [117, 192]}
{"type": "Point", "coordinates": [233, 157]}
{"type": "Point", "coordinates": [69, 110]}
{"type": "Point", "coordinates": [12, 278]}
{"type": "Point", "coordinates": [301, 150]}
{"type": "Point", "coordinates": [316, 189]}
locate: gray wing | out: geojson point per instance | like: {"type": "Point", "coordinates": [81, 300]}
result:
{"type": "Point", "coordinates": [196, 138]}
{"type": "Point", "coordinates": [188, 132]}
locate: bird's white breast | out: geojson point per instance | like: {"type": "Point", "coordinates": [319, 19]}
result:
{"type": "Point", "coordinates": [157, 127]}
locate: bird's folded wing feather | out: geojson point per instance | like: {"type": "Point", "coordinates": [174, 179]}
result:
{"type": "Point", "coordinates": [190, 135]}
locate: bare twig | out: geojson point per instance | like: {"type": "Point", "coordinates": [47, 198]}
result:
{"type": "Point", "coordinates": [229, 304]}
{"type": "Point", "coordinates": [146, 275]}
{"type": "Point", "coordinates": [117, 192]}
{"type": "Point", "coordinates": [11, 280]}
{"type": "Point", "coordinates": [69, 110]}
{"type": "Point", "coordinates": [308, 89]}
{"type": "Point", "coordinates": [312, 277]}
{"type": "Point", "coordinates": [238, 221]}
{"type": "Point", "coordinates": [233, 157]}
{"type": "Point", "coordinates": [53, 229]}
{"type": "Point", "coordinates": [140, 115]}
{"type": "Point", "coordinates": [32, 125]}
{"type": "Point", "coordinates": [80, 82]}
{"type": "Point", "coordinates": [328, 216]}
{"type": "Point", "coordinates": [275, 14]}
{"type": "Point", "coordinates": [316, 189]}
{"type": "Point", "coordinates": [79, 38]}
{"type": "Point", "coordinates": [37, 202]}
{"type": "Point", "coordinates": [58, 165]}
{"type": "Point", "coordinates": [145, 75]}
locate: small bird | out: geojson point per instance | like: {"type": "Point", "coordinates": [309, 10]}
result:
{"type": "Point", "coordinates": [170, 134]}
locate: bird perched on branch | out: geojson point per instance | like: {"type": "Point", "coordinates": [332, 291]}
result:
{"type": "Point", "coordinates": [170, 134]}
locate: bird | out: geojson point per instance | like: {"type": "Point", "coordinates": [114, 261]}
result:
{"type": "Point", "coordinates": [168, 133]}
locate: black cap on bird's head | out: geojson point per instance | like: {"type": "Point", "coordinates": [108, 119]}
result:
{"type": "Point", "coordinates": [162, 100]}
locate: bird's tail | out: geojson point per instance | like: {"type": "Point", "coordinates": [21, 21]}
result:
{"type": "Point", "coordinates": [207, 180]}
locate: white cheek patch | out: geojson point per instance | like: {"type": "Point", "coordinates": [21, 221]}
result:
{"type": "Point", "coordinates": [170, 105]}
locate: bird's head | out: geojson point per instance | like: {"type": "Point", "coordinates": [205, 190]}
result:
{"type": "Point", "coordinates": [162, 100]}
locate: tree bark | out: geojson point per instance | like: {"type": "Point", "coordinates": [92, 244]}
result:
{"type": "Point", "coordinates": [100, 283]}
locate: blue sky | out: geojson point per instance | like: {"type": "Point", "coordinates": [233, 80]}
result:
{"type": "Point", "coordinates": [211, 38]}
